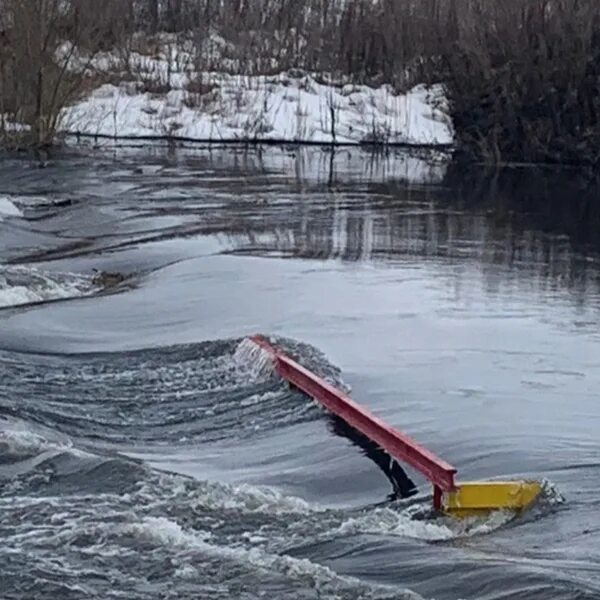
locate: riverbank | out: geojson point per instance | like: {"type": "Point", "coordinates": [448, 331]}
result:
{"type": "Point", "coordinates": [499, 83]}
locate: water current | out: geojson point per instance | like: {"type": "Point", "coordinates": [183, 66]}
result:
{"type": "Point", "coordinates": [146, 453]}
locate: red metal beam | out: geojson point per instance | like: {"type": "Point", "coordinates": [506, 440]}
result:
{"type": "Point", "coordinates": [400, 446]}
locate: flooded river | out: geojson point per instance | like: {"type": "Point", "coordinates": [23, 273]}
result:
{"type": "Point", "coordinates": [144, 455]}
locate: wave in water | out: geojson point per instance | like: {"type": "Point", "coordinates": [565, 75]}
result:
{"type": "Point", "coordinates": [78, 518]}
{"type": "Point", "coordinates": [179, 396]}
{"type": "Point", "coordinates": [26, 285]}
{"type": "Point", "coordinates": [69, 517]}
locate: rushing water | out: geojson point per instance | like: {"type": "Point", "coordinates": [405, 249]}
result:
{"type": "Point", "coordinates": [145, 453]}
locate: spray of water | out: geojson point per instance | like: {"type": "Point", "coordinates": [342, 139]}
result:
{"type": "Point", "coordinates": [253, 359]}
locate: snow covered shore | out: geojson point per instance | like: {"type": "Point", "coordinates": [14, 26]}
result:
{"type": "Point", "coordinates": [166, 98]}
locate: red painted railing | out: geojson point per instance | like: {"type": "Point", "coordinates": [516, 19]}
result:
{"type": "Point", "coordinates": [401, 447]}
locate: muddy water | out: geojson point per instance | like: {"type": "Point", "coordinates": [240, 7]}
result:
{"type": "Point", "coordinates": [143, 454]}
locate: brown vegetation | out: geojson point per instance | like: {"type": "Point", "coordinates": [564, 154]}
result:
{"type": "Point", "coordinates": [40, 70]}
{"type": "Point", "coordinates": [522, 76]}
{"type": "Point", "coordinates": [523, 79]}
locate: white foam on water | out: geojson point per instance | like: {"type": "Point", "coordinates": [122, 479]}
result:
{"type": "Point", "coordinates": [23, 450]}
{"type": "Point", "coordinates": [314, 360]}
{"type": "Point", "coordinates": [169, 533]}
{"type": "Point", "coordinates": [8, 208]}
{"type": "Point", "coordinates": [215, 496]}
{"type": "Point", "coordinates": [259, 398]}
{"type": "Point", "coordinates": [254, 539]}
{"type": "Point", "coordinates": [25, 285]}
{"type": "Point", "coordinates": [251, 499]}
{"type": "Point", "coordinates": [402, 523]}
{"type": "Point", "coordinates": [250, 357]}
{"type": "Point", "coordinates": [18, 441]}
{"type": "Point", "coordinates": [390, 522]}
{"type": "Point", "coordinates": [23, 201]}
{"type": "Point", "coordinates": [186, 572]}
{"type": "Point", "coordinates": [550, 496]}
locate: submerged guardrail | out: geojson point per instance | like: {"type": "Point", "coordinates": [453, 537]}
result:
{"type": "Point", "coordinates": [448, 496]}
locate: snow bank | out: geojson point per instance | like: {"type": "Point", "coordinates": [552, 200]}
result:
{"type": "Point", "coordinates": [8, 125]}
{"type": "Point", "coordinates": [257, 108]}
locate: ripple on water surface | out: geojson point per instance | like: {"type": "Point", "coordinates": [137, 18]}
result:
{"type": "Point", "coordinates": [466, 317]}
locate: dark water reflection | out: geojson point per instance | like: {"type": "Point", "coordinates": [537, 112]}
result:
{"type": "Point", "coordinates": [540, 225]}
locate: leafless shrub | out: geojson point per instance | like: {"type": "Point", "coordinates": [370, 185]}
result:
{"type": "Point", "coordinates": [522, 76]}
{"type": "Point", "coordinates": [200, 86]}
{"type": "Point", "coordinates": [41, 66]}
{"type": "Point", "coordinates": [201, 92]}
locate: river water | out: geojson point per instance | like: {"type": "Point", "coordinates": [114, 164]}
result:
{"type": "Point", "coordinates": [144, 454]}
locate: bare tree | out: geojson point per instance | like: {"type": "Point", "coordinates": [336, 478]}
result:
{"type": "Point", "coordinates": [522, 76]}
{"type": "Point", "coordinates": [42, 63]}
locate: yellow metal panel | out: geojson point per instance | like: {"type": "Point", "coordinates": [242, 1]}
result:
{"type": "Point", "coordinates": [473, 498]}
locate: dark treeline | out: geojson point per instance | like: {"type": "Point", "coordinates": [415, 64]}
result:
{"type": "Point", "coordinates": [522, 76]}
